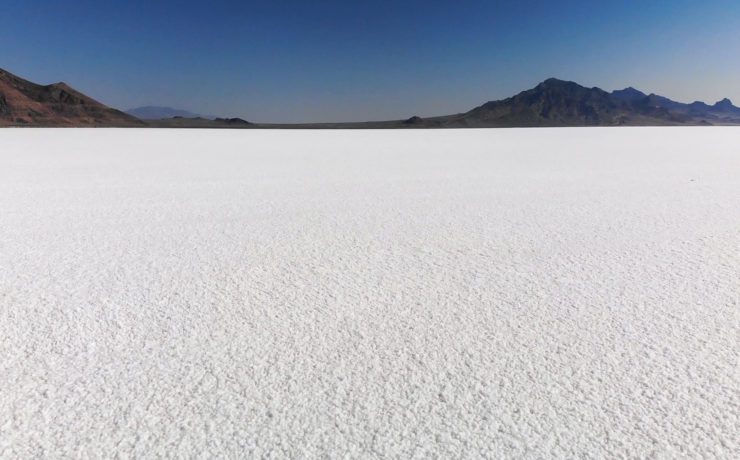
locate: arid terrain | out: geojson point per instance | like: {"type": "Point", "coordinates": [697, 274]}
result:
{"type": "Point", "coordinates": [541, 293]}
{"type": "Point", "coordinates": [23, 103]}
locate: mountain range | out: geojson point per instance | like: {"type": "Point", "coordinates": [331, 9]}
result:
{"type": "Point", "coordinates": [551, 103]}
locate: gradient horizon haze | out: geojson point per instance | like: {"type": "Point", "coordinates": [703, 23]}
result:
{"type": "Point", "coordinates": [325, 61]}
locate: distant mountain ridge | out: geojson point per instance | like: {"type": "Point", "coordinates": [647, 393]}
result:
{"type": "Point", "coordinates": [564, 103]}
{"type": "Point", "coordinates": [151, 112]}
{"type": "Point", "coordinates": [551, 103]}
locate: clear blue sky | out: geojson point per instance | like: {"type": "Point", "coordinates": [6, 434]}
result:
{"type": "Point", "coordinates": [291, 61]}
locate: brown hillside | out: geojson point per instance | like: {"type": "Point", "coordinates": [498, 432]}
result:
{"type": "Point", "coordinates": [24, 103]}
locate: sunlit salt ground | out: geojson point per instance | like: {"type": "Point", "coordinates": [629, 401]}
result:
{"type": "Point", "coordinates": [512, 293]}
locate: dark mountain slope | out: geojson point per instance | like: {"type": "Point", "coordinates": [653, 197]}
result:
{"type": "Point", "coordinates": [628, 94]}
{"type": "Point", "coordinates": [551, 103]}
{"type": "Point", "coordinates": [725, 106]}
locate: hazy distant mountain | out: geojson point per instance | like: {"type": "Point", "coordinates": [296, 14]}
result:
{"type": "Point", "coordinates": [158, 113]}
{"type": "Point", "coordinates": [725, 106]}
{"type": "Point", "coordinates": [23, 103]}
{"type": "Point", "coordinates": [721, 112]}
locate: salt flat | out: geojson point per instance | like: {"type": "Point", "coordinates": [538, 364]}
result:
{"type": "Point", "coordinates": [475, 293]}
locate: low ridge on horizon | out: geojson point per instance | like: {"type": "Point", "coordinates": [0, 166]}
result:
{"type": "Point", "coordinates": [552, 103]}
{"type": "Point", "coordinates": [155, 112]}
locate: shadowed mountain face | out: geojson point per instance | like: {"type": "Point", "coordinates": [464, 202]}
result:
{"type": "Point", "coordinates": [628, 94]}
{"type": "Point", "coordinates": [725, 106]}
{"type": "Point", "coordinates": [23, 103]}
{"type": "Point", "coordinates": [551, 103]}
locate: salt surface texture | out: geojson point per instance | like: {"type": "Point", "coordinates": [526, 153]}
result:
{"type": "Point", "coordinates": [513, 293]}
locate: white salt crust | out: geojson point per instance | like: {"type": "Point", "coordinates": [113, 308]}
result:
{"type": "Point", "coordinates": [418, 293]}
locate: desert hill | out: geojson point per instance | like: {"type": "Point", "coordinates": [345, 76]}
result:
{"type": "Point", "coordinates": [23, 103]}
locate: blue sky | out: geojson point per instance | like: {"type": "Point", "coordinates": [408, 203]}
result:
{"type": "Point", "coordinates": [292, 61]}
